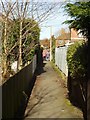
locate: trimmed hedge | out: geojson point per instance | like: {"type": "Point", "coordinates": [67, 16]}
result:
{"type": "Point", "coordinates": [77, 60]}
{"type": "Point", "coordinates": [77, 75]}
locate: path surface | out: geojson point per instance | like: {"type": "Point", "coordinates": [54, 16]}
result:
{"type": "Point", "coordinates": [48, 98]}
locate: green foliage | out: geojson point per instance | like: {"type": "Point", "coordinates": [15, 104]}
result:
{"type": "Point", "coordinates": [53, 48]}
{"type": "Point", "coordinates": [32, 30]}
{"type": "Point", "coordinates": [80, 16]}
{"type": "Point", "coordinates": [60, 73]}
{"type": "Point", "coordinates": [77, 60]}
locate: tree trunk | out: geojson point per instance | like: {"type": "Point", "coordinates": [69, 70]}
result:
{"type": "Point", "coordinates": [20, 48]}
{"type": "Point", "coordinates": [4, 58]}
{"type": "Point", "coordinates": [1, 52]}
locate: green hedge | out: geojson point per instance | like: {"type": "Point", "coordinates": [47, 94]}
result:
{"type": "Point", "coordinates": [77, 60]}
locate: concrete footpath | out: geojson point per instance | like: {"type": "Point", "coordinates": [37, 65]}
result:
{"type": "Point", "coordinates": [48, 98]}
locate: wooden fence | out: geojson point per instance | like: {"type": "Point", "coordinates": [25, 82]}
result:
{"type": "Point", "coordinates": [13, 90]}
{"type": "Point", "coordinates": [60, 59]}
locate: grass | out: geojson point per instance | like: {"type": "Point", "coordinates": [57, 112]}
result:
{"type": "Point", "coordinates": [60, 73]}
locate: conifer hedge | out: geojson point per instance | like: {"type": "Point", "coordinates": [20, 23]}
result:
{"type": "Point", "coordinates": [77, 60]}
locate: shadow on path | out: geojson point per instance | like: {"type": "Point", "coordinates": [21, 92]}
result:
{"type": "Point", "coordinates": [24, 102]}
{"type": "Point", "coordinates": [48, 98]}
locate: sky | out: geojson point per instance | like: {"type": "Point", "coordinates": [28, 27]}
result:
{"type": "Point", "coordinates": [50, 0]}
{"type": "Point", "coordinates": [52, 26]}
{"type": "Point", "coordinates": [54, 23]}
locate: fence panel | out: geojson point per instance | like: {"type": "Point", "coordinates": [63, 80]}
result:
{"type": "Point", "coordinates": [60, 59]}
{"type": "Point", "coordinates": [13, 90]}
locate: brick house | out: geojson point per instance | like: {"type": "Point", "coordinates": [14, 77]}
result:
{"type": "Point", "coordinates": [75, 35]}
{"type": "Point", "coordinates": [70, 37]}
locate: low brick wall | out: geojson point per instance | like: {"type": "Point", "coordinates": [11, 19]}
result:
{"type": "Point", "coordinates": [13, 90]}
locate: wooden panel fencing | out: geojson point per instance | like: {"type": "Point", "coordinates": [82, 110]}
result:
{"type": "Point", "coordinates": [60, 59]}
{"type": "Point", "coordinates": [13, 90]}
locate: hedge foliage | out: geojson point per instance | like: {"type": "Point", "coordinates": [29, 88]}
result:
{"type": "Point", "coordinates": [77, 60]}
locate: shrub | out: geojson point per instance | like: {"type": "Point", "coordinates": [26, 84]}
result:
{"type": "Point", "coordinates": [77, 60]}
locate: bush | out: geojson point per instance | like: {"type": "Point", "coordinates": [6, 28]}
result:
{"type": "Point", "coordinates": [77, 60]}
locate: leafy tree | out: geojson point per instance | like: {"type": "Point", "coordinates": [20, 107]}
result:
{"type": "Point", "coordinates": [77, 78]}
{"type": "Point", "coordinates": [12, 39]}
{"type": "Point", "coordinates": [80, 14]}
{"type": "Point", "coordinates": [77, 60]}
{"type": "Point", "coordinates": [80, 20]}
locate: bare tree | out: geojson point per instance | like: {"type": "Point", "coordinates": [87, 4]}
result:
{"type": "Point", "coordinates": [21, 10]}
{"type": "Point", "coordinates": [6, 22]}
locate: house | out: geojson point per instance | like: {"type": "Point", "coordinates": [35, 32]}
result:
{"type": "Point", "coordinates": [63, 38]}
{"type": "Point", "coordinates": [76, 35]}
{"type": "Point", "coordinates": [71, 37]}
{"type": "Point", "coordinates": [60, 42]}
{"type": "Point", "coordinates": [45, 43]}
